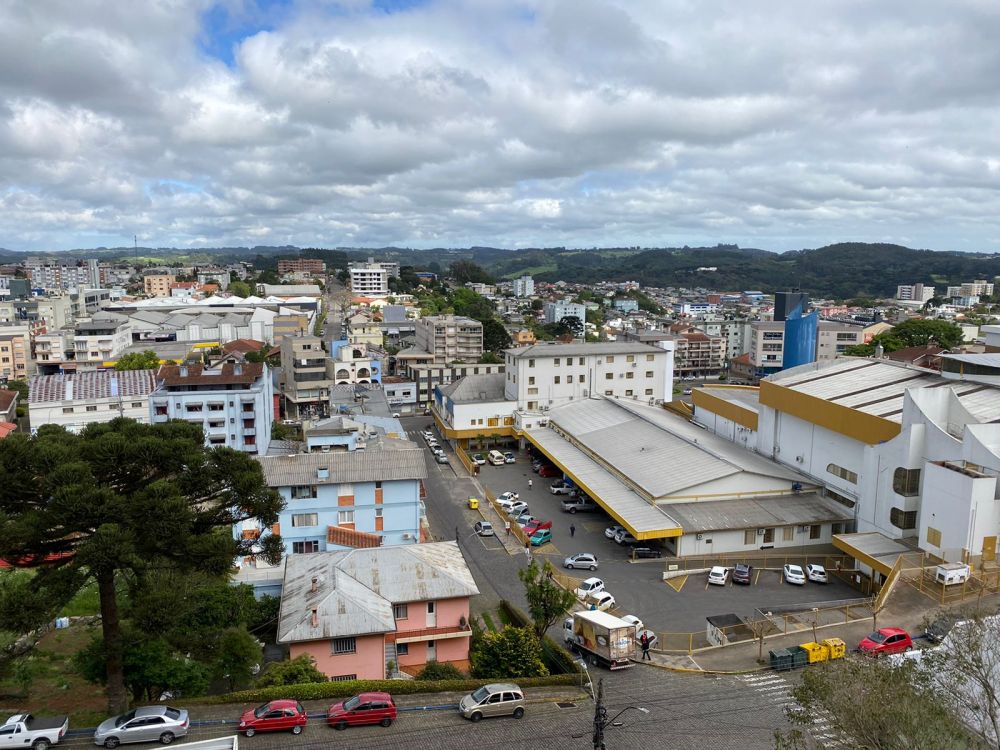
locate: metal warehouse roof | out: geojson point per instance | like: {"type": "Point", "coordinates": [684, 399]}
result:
{"type": "Point", "coordinates": [396, 459]}
{"type": "Point", "coordinates": [878, 387]}
{"type": "Point", "coordinates": [86, 386]}
{"type": "Point", "coordinates": [754, 513]}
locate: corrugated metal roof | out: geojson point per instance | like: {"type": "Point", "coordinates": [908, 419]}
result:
{"type": "Point", "coordinates": [753, 513]}
{"type": "Point", "coordinates": [573, 350]}
{"type": "Point", "coordinates": [83, 386]}
{"type": "Point", "coordinates": [356, 589]}
{"type": "Point", "coordinates": [395, 459]}
{"type": "Point", "coordinates": [476, 388]}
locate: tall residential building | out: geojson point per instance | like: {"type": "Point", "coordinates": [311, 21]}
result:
{"type": "Point", "coordinates": [158, 285]}
{"type": "Point", "coordinates": [914, 293]}
{"type": "Point", "coordinates": [543, 376]}
{"type": "Point", "coordinates": [524, 286]}
{"type": "Point", "coordinates": [304, 379]}
{"type": "Point", "coordinates": [74, 400]}
{"type": "Point", "coordinates": [767, 343]}
{"type": "Point", "coordinates": [449, 338]}
{"type": "Point", "coordinates": [556, 311]}
{"type": "Point", "coordinates": [52, 275]}
{"type": "Point", "coordinates": [696, 354]}
{"type": "Point", "coordinates": [301, 265]}
{"type": "Point", "coordinates": [369, 281]}
{"type": "Point", "coordinates": [233, 402]}
{"type": "Point", "coordinates": [102, 339]}
{"type": "Point", "coordinates": [220, 276]}
{"type": "Point", "coordinates": [978, 288]}
{"type": "Point", "coordinates": [15, 352]}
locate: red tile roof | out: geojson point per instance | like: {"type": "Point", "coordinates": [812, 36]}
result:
{"type": "Point", "coordinates": [6, 428]}
{"type": "Point", "coordinates": [351, 538]}
{"type": "Point", "coordinates": [225, 375]}
{"type": "Point", "coordinates": [6, 398]}
{"type": "Point", "coordinates": [242, 345]}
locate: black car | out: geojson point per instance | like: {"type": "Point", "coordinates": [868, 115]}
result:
{"type": "Point", "coordinates": [638, 552]}
{"type": "Point", "coordinates": [743, 573]}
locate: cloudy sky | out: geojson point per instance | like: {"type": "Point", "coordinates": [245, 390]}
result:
{"type": "Point", "coordinates": [505, 122]}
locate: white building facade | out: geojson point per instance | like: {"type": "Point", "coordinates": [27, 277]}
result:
{"type": "Point", "coordinates": [74, 400]}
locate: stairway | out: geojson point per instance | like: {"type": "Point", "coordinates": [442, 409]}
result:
{"type": "Point", "coordinates": [390, 655]}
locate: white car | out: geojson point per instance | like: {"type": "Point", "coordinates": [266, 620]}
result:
{"type": "Point", "coordinates": [816, 573]}
{"type": "Point", "coordinates": [517, 508]}
{"type": "Point", "coordinates": [718, 576]}
{"type": "Point", "coordinates": [479, 459]}
{"type": "Point", "coordinates": [484, 528]}
{"type": "Point", "coordinates": [560, 488]}
{"type": "Point", "coordinates": [602, 601]}
{"type": "Point", "coordinates": [794, 574]}
{"type": "Point", "coordinates": [590, 586]}
{"type": "Point", "coordinates": [625, 537]}
{"type": "Point", "coordinates": [633, 620]}
{"type": "Point", "coordinates": [507, 497]}
{"type": "Point", "coordinates": [581, 560]}
{"type": "Point", "coordinates": [612, 531]}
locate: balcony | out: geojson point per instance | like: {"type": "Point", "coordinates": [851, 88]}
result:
{"type": "Point", "coordinates": [429, 634]}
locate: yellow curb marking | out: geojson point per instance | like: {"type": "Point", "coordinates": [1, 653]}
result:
{"type": "Point", "coordinates": [677, 583]}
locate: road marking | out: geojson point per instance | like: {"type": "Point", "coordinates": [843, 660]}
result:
{"type": "Point", "coordinates": [677, 583]}
{"type": "Point", "coordinates": [779, 691]}
{"type": "Point", "coordinates": [756, 577]}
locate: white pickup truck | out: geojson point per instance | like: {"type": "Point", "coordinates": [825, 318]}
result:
{"type": "Point", "coordinates": [25, 731]}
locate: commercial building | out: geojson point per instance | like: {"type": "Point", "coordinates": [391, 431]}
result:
{"type": "Point", "coordinates": [74, 400]}
{"type": "Point", "coordinates": [369, 280]}
{"type": "Point", "coordinates": [694, 309]}
{"type": "Point", "coordinates": [427, 377]}
{"type": "Point", "coordinates": [369, 613]}
{"type": "Point", "coordinates": [475, 405]}
{"type": "Point", "coordinates": [524, 286]}
{"type": "Point", "coordinates": [233, 402]}
{"type": "Point", "coordinates": [556, 311]}
{"type": "Point", "coordinates": [158, 285]}
{"type": "Point", "coordinates": [301, 265]}
{"type": "Point", "coordinates": [353, 363]}
{"type": "Point", "coordinates": [361, 329]}
{"type": "Point", "coordinates": [914, 293]}
{"type": "Point", "coordinates": [448, 338]}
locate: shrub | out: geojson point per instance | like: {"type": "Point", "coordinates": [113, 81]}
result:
{"type": "Point", "coordinates": [298, 671]}
{"type": "Point", "coordinates": [441, 670]}
{"type": "Point", "coordinates": [510, 652]}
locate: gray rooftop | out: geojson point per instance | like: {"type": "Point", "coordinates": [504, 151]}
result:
{"type": "Point", "coordinates": [574, 350]}
{"type": "Point", "coordinates": [748, 398]}
{"type": "Point", "coordinates": [394, 460]}
{"type": "Point", "coordinates": [356, 589]}
{"type": "Point", "coordinates": [754, 513]}
{"type": "Point", "coordinates": [476, 388]}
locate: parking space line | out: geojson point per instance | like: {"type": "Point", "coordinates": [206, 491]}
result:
{"type": "Point", "coordinates": [756, 577]}
{"type": "Point", "coordinates": [677, 583]}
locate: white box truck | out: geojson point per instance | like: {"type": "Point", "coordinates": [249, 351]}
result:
{"type": "Point", "coordinates": [601, 638]}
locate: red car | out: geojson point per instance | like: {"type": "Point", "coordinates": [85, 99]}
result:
{"type": "Point", "coordinates": [536, 525]}
{"type": "Point", "coordinates": [548, 470]}
{"type": "Point", "coordinates": [886, 641]}
{"type": "Point", "coordinates": [366, 708]}
{"type": "Point", "coordinates": [276, 716]}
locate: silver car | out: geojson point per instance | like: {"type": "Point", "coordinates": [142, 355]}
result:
{"type": "Point", "coordinates": [147, 724]}
{"type": "Point", "coordinates": [499, 699]}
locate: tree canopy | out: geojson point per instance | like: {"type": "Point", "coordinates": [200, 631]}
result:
{"type": "Point", "coordinates": [547, 601]}
{"type": "Point", "coordinates": [913, 332]}
{"type": "Point", "coordinates": [508, 652]}
{"type": "Point", "coordinates": [240, 289]}
{"type": "Point", "coordinates": [117, 504]}
{"type": "Point", "coordinates": [464, 271]}
{"type": "Point", "coordinates": [145, 360]}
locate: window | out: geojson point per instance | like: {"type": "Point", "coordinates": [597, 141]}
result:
{"type": "Point", "coordinates": [933, 537]}
{"type": "Point", "coordinates": [906, 482]}
{"type": "Point", "coordinates": [302, 548]}
{"type": "Point", "coordinates": [649, 391]}
{"type": "Point", "coordinates": [629, 375]}
{"type": "Point", "coordinates": [649, 373]}
{"type": "Point", "coordinates": [531, 363]}
{"type": "Point", "coordinates": [532, 391]}
{"type": "Point", "coordinates": [609, 376]}
{"type": "Point", "coordinates": [608, 392]}
{"type": "Point", "coordinates": [343, 646]}
{"type": "Point", "coordinates": [903, 519]}
{"type": "Point", "coordinates": [580, 361]}
{"type": "Point", "coordinates": [556, 362]}
{"type": "Point", "coordinates": [569, 378]}
{"type": "Point", "coordinates": [305, 519]}
{"type": "Point", "coordinates": [750, 536]}
{"type": "Point", "coordinates": [378, 485]}
{"type": "Point", "coordinates": [815, 531]}
{"type": "Point", "coordinates": [628, 393]}
{"type": "Point", "coordinates": [303, 492]}
{"type": "Point", "coordinates": [837, 528]}
{"type": "Point", "coordinates": [344, 678]}
{"type": "Point", "coordinates": [649, 357]}
{"type": "Point", "coordinates": [583, 378]}
{"type": "Point", "coordinates": [630, 358]}
{"type": "Point", "coordinates": [91, 408]}
{"type": "Point", "coordinates": [378, 512]}
{"type": "Point", "coordinates": [531, 380]}
{"type": "Point", "coordinates": [400, 611]}
{"type": "Point", "coordinates": [609, 359]}
{"type": "Point", "coordinates": [555, 380]}
{"type": "Point", "coordinates": [788, 534]}
{"type": "Point", "coordinates": [67, 410]}
{"type": "Point", "coordinates": [193, 407]}
{"type": "Point", "coordinates": [345, 516]}
{"type": "Point", "coordinates": [137, 404]}
{"type": "Point", "coordinates": [402, 649]}
{"type": "Point", "coordinates": [846, 474]}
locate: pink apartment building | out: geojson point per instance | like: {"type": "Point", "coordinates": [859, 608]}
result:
{"type": "Point", "coordinates": [363, 613]}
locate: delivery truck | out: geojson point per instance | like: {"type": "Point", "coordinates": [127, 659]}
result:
{"type": "Point", "coordinates": [601, 638]}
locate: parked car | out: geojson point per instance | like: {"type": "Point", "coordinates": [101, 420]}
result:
{"type": "Point", "coordinates": [484, 528]}
{"type": "Point", "coordinates": [536, 524]}
{"type": "Point", "coordinates": [147, 724]}
{"type": "Point", "coordinates": [275, 716]}
{"type": "Point", "coordinates": [540, 537]}
{"type": "Point", "coordinates": [507, 497]}
{"type": "Point", "coordinates": [602, 601]}
{"type": "Point", "coordinates": [816, 573]}
{"type": "Point", "coordinates": [33, 732]}
{"type": "Point", "coordinates": [366, 708]}
{"type": "Point", "coordinates": [509, 457]}
{"type": "Point", "coordinates": [687, 391]}
{"type": "Point", "coordinates": [625, 537]}
{"type": "Point", "coordinates": [524, 519]}
{"type": "Point", "coordinates": [479, 459]}
{"type": "Point", "coordinates": [634, 621]}
{"type": "Point", "coordinates": [536, 465]}
{"type": "Point", "coordinates": [589, 586]}
{"type": "Point", "coordinates": [718, 576]}
{"type": "Point", "coordinates": [581, 560]}
{"type": "Point", "coordinates": [441, 458]}
{"type": "Point", "coordinates": [940, 627]}
{"type": "Point", "coordinates": [743, 573]}
{"type": "Point", "coordinates": [612, 531]}
{"type": "Point", "coordinates": [548, 470]}
{"type": "Point", "coordinates": [517, 508]}
{"type": "Point", "coordinates": [497, 699]}
{"type": "Point", "coordinates": [886, 641]}
{"type": "Point", "coordinates": [794, 574]}
{"type": "Point", "coordinates": [647, 552]}
{"type": "Point", "coordinates": [560, 488]}
{"type": "Point", "coordinates": [581, 504]}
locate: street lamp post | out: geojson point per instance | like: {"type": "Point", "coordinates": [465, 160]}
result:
{"type": "Point", "coordinates": [601, 720]}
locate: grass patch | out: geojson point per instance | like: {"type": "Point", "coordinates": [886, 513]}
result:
{"type": "Point", "coordinates": [86, 602]}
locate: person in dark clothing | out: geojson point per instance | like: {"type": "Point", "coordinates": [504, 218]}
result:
{"type": "Point", "coordinates": [644, 642]}
{"type": "Point", "coordinates": [572, 531]}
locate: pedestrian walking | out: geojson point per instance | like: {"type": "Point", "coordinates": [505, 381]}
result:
{"type": "Point", "coordinates": [527, 550]}
{"type": "Point", "coordinates": [572, 531]}
{"type": "Point", "coordinates": [529, 484]}
{"type": "Point", "coordinates": [645, 647]}
{"type": "Point", "coordinates": [506, 527]}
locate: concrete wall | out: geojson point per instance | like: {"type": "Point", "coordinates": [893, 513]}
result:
{"type": "Point", "coordinates": [733, 541]}
{"type": "Point", "coordinates": [962, 507]}
{"type": "Point", "coordinates": [368, 662]}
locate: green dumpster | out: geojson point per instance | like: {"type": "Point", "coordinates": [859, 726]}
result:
{"type": "Point", "coordinates": [781, 660]}
{"type": "Point", "coordinates": [800, 657]}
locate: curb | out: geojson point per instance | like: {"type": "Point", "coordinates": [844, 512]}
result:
{"type": "Point", "coordinates": [689, 670]}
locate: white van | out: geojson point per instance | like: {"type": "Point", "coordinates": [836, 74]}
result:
{"type": "Point", "coordinates": [496, 458]}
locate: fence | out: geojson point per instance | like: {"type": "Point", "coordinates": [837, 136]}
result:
{"type": "Point", "coordinates": [515, 530]}
{"type": "Point", "coordinates": [769, 560]}
{"type": "Point", "coordinates": [922, 576]}
{"type": "Point", "coordinates": [467, 462]}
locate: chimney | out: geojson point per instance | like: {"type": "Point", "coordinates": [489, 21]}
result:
{"type": "Point", "coordinates": [879, 351]}
{"type": "Point", "coordinates": [315, 585]}
{"type": "Point", "coordinates": [315, 617]}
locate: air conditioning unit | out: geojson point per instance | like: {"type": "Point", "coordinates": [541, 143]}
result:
{"type": "Point", "coordinates": [760, 532]}
{"type": "Point", "coordinates": [699, 537]}
{"type": "Point", "coordinates": [800, 459]}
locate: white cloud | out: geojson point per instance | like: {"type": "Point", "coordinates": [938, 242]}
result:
{"type": "Point", "coordinates": [505, 122]}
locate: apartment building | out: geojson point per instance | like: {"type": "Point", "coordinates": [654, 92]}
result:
{"type": "Point", "coordinates": [544, 376]}
{"type": "Point", "coordinates": [361, 329]}
{"type": "Point", "coordinates": [449, 338]}
{"type": "Point", "coordinates": [301, 265]}
{"type": "Point", "coordinates": [219, 276]}
{"type": "Point", "coordinates": [914, 293]}
{"type": "Point", "coordinates": [304, 379]}
{"type": "Point", "coordinates": [101, 339]}
{"type": "Point", "coordinates": [390, 267]}
{"type": "Point", "coordinates": [15, 353]}
{"type": "Point", "coordinates": [158, 285]}
{"type": "Point", "coordinates": [74, 400]}
{"type": "Point", "coordinates": [524, 286]}
{"type": "Point", "coordinates": [41, 313]}
{"type": "Point", "coordinates": [736, 333]}
{"type": "Point", "coordinates": [49, 275]}
{"type": "Point", "coordinates": [698, 355]}
{"type": "Point", "coordinates": [978, 288]}
{"type": "Point", "coordinates": [369, 280]}
{"type": "Point", "coordinates": [353, 363]}
{"type": "Point", "coordinates": [233, 402]}
{"type": "Point", "coordinates": [556, 311]}
{"type": "Point", "coordinates": [427, 377]}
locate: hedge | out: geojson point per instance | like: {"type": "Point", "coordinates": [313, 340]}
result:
{"type": "Point", "coordinates": [319, 690]}
{"type": "Point", "coordinates": [555, 656]}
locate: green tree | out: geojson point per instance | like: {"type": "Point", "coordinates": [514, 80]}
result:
{"type": "Point", "coordinates": [537, 305]}
{"type": "Point", "coordinates": [297, 671]}
{"type": "Point", "coordinates": [240, 289]}
{"type": "Point", "coordinates": [509, 652]}
{"type": "Point", "coordinates": [489, 358]}
{"type": "Point", "coordinates": [145, 360]}
{"type": "Point", "coordinates": [495, 336]}
{"type": "Point", "coordinates": [464, 271]}
{"type": "Point", "coordinates": [119, 501]}
{"type": "Point", "coordinates": [547, 601]}
{"type": "Point", "coordinates": [239, 654]}
{"type": "Point", "coordinates": [919, 331]}
{"type": "Point", "coordinates": [441, 670]}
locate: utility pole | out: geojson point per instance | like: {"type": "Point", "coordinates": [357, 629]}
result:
{"type": "Point", "coordinates": [600, 717]}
